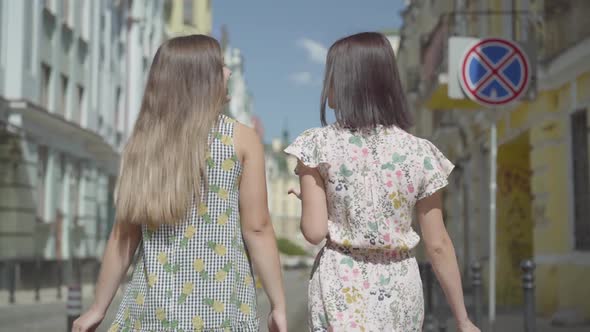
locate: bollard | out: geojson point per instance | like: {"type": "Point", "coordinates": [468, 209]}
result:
{"type": "Point", "coordinates": [59, 279]}
{"type": "Point", "coordinates": [429, 321]}
{"type": "Point", "coordinates": [11, 281]}
{"type": "Point", "coordinates": [528, 285]}
{"type": "Point", "coordinates": [37, 278]}
{"type": "Point", "coordinates": [73, 304]}
{"type": "Point", "coordinates": [477, 299]}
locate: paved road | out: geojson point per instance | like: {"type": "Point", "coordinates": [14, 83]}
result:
{"type": "Point", "coordinates": [50, 316]}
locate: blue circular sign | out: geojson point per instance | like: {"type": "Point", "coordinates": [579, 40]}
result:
{"type": "Point", "coordinates": [494, 72]}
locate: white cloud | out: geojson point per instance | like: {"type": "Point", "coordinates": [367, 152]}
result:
{"type": "Point", "coordinates": [301, 78]}
{"type": "Point", "coordinates": [316, 52]}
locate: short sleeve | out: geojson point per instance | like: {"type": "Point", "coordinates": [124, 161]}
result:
{"type": "Point", "coordinates": [435, 170]}
{"type": "Point", "coordinates": [307, 147]}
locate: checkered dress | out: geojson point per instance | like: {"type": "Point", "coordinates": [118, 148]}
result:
{"type": "Point", "coordinates": [196, 276]}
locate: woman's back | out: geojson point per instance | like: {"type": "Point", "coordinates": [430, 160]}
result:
{"type": "Point", "coordinates": [372, 180]}
{"type": "Point", "coordinates": [196, 274]}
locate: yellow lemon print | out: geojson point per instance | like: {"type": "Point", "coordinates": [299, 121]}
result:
{"type": "Point", "coordinates": [137, 325]}
{"type": "Point", "coordinates": [248, 280]}
{"type": "Point", "coordinates": [202, 209]}
{"type": "Point", "coordinates": [198, 265]}
{"type": "Point", "coordinates": [198, 323]}
{"type": "Point", "coordinates": [223, 194]}
{"type": "Point", "coordinates": [223, 219]}
{"type": "Point", "coordinates": [126, 314]}
{"type": "Point", "coordinates": [190, 231]}
{"type": "Point", "coordinates": [245, 309]}
{"type": "Point", "coordinates": [220, 276]}
{"type": "Point", "coordinates": [152, 279]}
{"type": "Point", "coordinates": [226, 140]}
{"type": "Point", "coordinates": [228, 165]}
{"type": "Point", "coordinates": [114, 328]}
{"type": "Point", "coordinates": [218, 306]}
{"type": "Point", "coordinates": [140, 299]}
{"type": "Point", "coordinates": [160, 314]}
{"type": "Point", "coordinates": [187, 288]}
{"type": "Point", "coordinates": [162, 258]}
{"type": "Point", "coordinates": [220, 250]}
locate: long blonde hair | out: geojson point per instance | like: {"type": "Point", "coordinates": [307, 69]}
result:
{"type": "Point", "coordinates": [163, 163]}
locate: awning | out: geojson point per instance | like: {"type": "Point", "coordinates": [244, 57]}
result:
{"type": "Point", "coordinates": [56, 132]}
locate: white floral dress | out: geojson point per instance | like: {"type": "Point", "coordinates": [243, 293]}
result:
{"type": "Point", "coordinates": [366, 278]}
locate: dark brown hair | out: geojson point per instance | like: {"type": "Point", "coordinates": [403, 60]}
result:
{"type": "Point", "coordinates": [363, 83]}
{"type": "Point", "coordinates": [163, 163]}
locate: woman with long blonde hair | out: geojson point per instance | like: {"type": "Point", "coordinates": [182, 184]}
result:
{"type": "Point", "coordinates": [186, 173]}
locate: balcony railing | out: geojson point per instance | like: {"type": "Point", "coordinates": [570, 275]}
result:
{"type": "Point", "coordinates": [565, 25]}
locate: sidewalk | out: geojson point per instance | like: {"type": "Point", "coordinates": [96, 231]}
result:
{"type": "Point", "coordinates": [514, 323]}
{"type": "Point", "coordinates": [49, 314]}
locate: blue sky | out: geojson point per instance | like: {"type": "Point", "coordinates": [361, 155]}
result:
{"type": "Point", "coordinates": [284, 46]}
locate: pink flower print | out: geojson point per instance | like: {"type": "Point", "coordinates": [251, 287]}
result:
{"type": "Point", "coordinates": [355, 158]}
{"type": "Point", "coordinates": [388, 175]}
{"type": "Point", "coordinates": [366, 284]}
{"type": "Point", "coordinates": [410, 188]}
{"type": "Point", "coordinates": [339, 316]}
{"type": "Point", "coordinates": [398, 174]}
{"type": "Point", "coordinates": [387, 238]}
{"type": "Point", "coordinates": [353, 325]}
{"type": "Point", "coordinates": [355, 273]}
{"type": "Point", "coordinates": [389, 184]}
{"type": "Point", "coordinates": [365, 152]}
{"type": "Point", "coordinates": [345, 278]}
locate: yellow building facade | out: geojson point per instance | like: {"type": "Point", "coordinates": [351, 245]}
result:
{"type": "Point", "coordinates": [543, 177]}
{"type": "Point", "coordinates": [187, 17]}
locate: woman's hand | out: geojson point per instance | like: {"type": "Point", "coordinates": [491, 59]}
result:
{"type": "Point", "coordinates": [467, 326]}
{"type": "Point", "coordinates": [277, 321]}
{"type": "Point", "coordinates": [89, 321]}
{"type": "Point", "coordinates": [294, 192]}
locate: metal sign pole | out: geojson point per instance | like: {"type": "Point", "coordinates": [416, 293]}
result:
{"type": "Point", "coordinates": [493, 160]}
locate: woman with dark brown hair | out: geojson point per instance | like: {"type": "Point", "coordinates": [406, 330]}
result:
{"type": "Point", "coordinates": [186, 172]}
{"type": "Point", "coordinates": [361, 179]}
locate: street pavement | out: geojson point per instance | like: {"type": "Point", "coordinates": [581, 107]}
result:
{"type": "Point", "coordinates": [49, 315]}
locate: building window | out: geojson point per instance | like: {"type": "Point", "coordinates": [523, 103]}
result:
{"type": "Point", "coordinates": [42, 155]}
{"type": "Point", "coordinates": [28, 44]}
{"type": "Point", "coordinates": [118, 106]}
{"type": "Point", "coordinates": [581, 170]}
{"type": "Point", "coordinates": [86, 19]}
{"type": "Point", "coordinates": [78, 113]}
{"type": "Point", "coordinates": [187, 11]}
{"type": "Point", "coordinates": [75, 191]}
{"type": "Point", "coordinates": [63, 101]}
{"type": "Point", "coordinates": [68, 13]}
{"type": "Point", "coordinates": [45, 85]}
{"type": "Point", "coordinates": [49, 5]}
